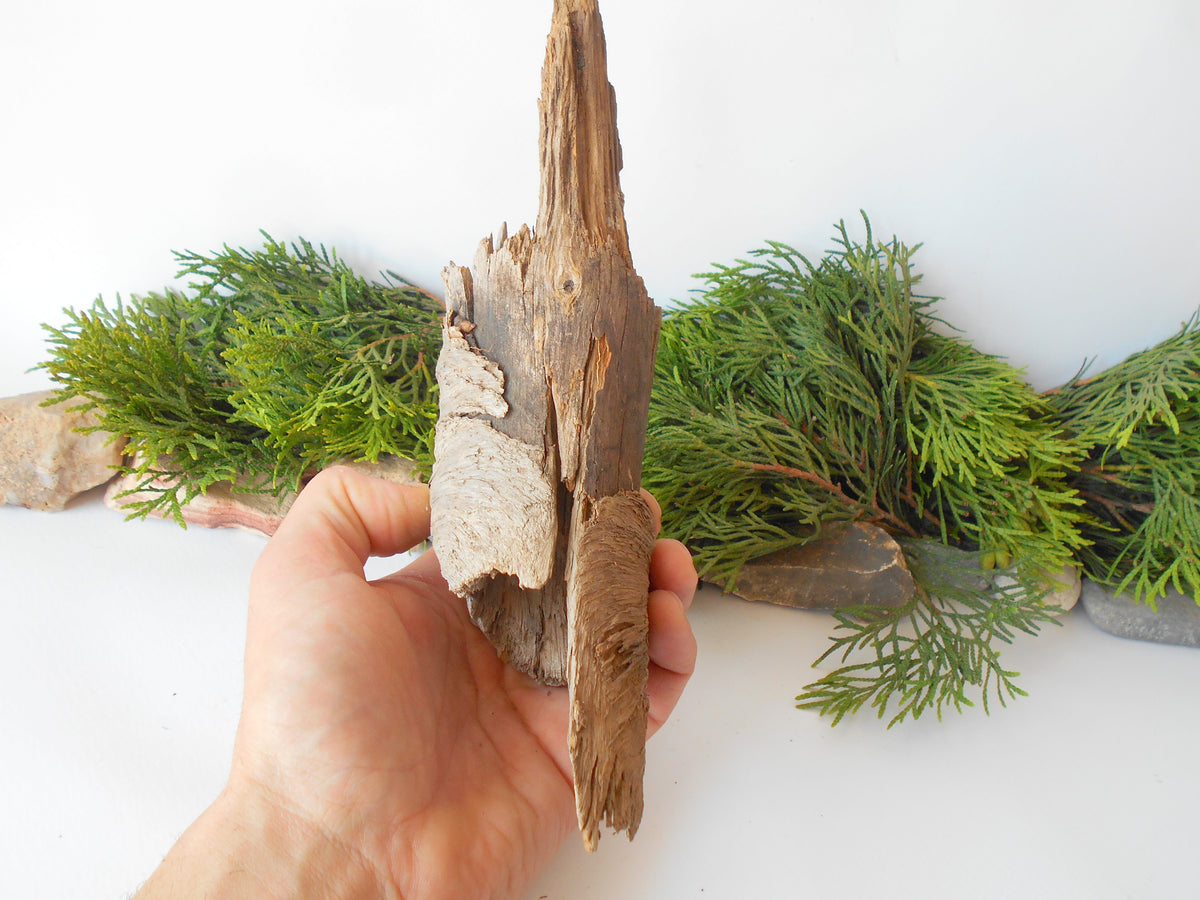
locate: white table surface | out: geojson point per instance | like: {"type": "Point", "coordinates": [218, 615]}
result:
{"type": "Point", "coordinates": [1044, 152]}
{"type": "Point", "coordinates": [120, 680]}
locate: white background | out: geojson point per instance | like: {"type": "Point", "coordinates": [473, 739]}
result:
{"type": "Point", "coordinates": [1044, 152]}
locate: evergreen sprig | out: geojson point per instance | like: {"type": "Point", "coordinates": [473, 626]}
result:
{"type": "Point", "coordinates": [270, 364]}
{"type": "Point", "coordinates": [1140, 424]}
{"type": "Point", "coordinates": [793, 394]}
{"type": "Point", "coordinates": [790, 396]}
{"type": "Point", "coordinates": [937, 651]}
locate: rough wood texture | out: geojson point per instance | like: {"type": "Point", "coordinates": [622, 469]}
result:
{"type": "Point", "coordinates": [608, 661]}
{"type": "Point", "coordinates": [545, 375]}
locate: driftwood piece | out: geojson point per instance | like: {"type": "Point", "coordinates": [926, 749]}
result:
{"type": "Point", "coordinates": [545, 372]}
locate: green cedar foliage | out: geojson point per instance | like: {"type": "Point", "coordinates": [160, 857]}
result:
{"type": "Point", "coordinates": [272, 363]}
{"type": "Point", "coordinates": [936, 651]}
{"type": "Point", "coordinates": [789, 396]}
{"type": "Point", "coordinates": [1140, 424]}
{"type": "Point", "coordinates": [795, 394]}
{"type": "Point", "coordinates": [792, 394]}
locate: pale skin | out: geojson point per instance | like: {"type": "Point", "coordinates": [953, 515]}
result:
{"type": "Point", "coordinates": [384, 750]}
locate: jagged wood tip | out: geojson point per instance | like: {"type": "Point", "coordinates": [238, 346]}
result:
{"type": "Point", "coordinates": [548, 354]}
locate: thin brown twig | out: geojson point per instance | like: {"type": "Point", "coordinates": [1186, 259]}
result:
{"type": "Point", "coordinates": [1115, 507]}
{"type": "Point", "coordinates": [826, 485]}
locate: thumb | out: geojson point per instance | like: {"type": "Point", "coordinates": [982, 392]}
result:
{"type": "Point", "coordinates": [341, 518]}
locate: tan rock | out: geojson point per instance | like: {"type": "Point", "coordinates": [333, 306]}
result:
{"type": "Point", "coordinates": [221, 506]}
{"type": "Point", "coordinates": [389, 468]}
{"type": "Point", "coordinates": [1067, 588]}
{"type": "Point", "coordinates": [44, 459]}
{"type": "Point", "coordinates": [1062, 587]}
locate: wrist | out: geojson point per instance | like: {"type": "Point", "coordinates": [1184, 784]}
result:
{"type": "Point", "coordinates": [247, 846]}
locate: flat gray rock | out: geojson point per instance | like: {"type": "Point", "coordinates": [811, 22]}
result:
{"type": "Point", "coordinates": [857, 564]}
{"type": "Point", "coordinates": [1176, 620]}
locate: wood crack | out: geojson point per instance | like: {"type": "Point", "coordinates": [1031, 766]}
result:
{"type": "Point", "coordinates": [537, 519]}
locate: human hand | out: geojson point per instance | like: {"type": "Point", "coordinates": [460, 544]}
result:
{"type": "Point", "coordinates": [384, 749]}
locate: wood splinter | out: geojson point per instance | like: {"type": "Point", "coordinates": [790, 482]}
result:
{"type": "Point", "coordinates": [545, 372]}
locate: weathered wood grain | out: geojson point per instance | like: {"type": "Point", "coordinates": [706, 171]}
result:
{"type": "Point", "coordinates": [549, 342]}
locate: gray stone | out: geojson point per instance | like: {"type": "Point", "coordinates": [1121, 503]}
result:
{"type": "Point", "coordinates": [857, 564]}
{"type": "Point", "coordinates": [44, 460]}
{"type": "Point", "coordinates": [1176, 620]}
